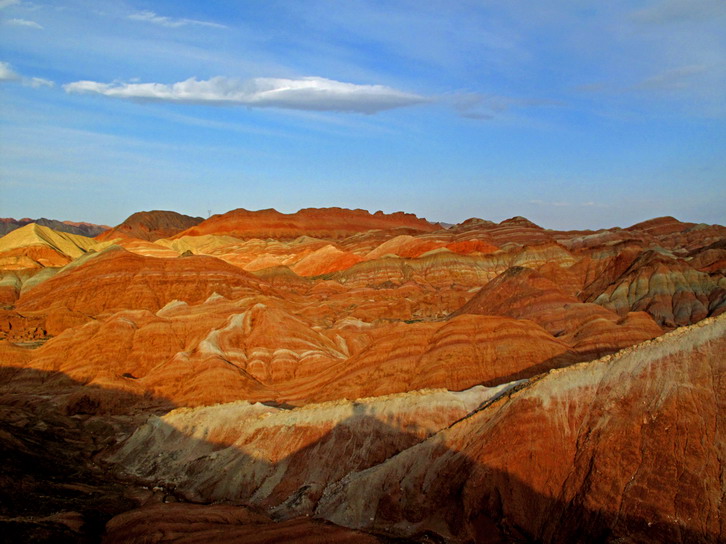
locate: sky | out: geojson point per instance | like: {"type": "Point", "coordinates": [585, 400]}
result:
{"type": "Point", "coordinates": [574, 114]}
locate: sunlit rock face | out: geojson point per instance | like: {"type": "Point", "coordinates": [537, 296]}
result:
{"type": "Point", "coordinates": [626, 447]}
{"type": "Point", "coordinates": [677, 235]}
{"type": "Point", "coordinates": [35, 246]}
{"type": "Point", "coordinates": [308, 319]}
{"type": "Point", "coordinates": [284, 459]}
{"type": "Point", "coordinates": [315, 222]}
{"type": "Point", "coordinates": [117, 279]}
{"type": "Point", "coordinates": [257, 349]}
{"type": "Point", "coordinates": [588, 328]}
{"type": "Point", "coordinates": [373, 371]}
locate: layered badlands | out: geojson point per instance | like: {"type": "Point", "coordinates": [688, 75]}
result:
{"type": "Point", "coordinates": [628, 447]}
{"type": "Point", "coordinates": [8, 224]}
{"type": "Point", "coordinates": [342, 375]}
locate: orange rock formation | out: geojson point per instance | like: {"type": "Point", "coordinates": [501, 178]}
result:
{"type": "Point", "coordinates": [627, 447]}
{"type": "Point", "coordinates": [376, 371]}
{"type": "Point", "coordinates": [323, 222]}
{"type": "Point", "coordinates": [116, 280]}
{"type": "Point", "coordinates": [151, 226]}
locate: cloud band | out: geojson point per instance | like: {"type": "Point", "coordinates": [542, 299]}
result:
{"type": "Point", "coordinates": [308, 93]}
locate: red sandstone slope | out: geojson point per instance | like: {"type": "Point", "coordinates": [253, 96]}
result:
{"type": "Point", "coordinates": [367, 314]}
{"type": "Point", "coordinates": [457, 354]}
{"type": "Point", "coordinates": [711, 258]}
{"type": "Point", "coordinates": [669, 289]}
{"type": "Point", "coordinates": [257, 349]}
{"type": "Point", "coordinates": [627, 448]}
{"type": "Point", "coordinates": [588, 328]}
{"type": "Point", "coordinates": [516, 230]}
{"type": "Point", "coordinates": [151, 226]}
{"type": "Point", "coordinates": [316, 222]}
{"type": "Point", "coordinates": [283, 460]}
{"type": "Point", "coordinates": [116, 279]}
{"type": "Point", "coordinates": [344, 336]}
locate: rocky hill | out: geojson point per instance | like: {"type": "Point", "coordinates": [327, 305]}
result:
{"type": "Point", "coordinates": [151, 226]}
{"type": "Point", "coordinates": [361, 377]}
{"type": "Point", "coordinates": [8, 224]}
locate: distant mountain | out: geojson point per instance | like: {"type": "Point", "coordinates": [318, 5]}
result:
{"type": "Point", "coordinates": [84, 229]}
{"type": "Point", "coordinates": [35, 246]}
{"type": "Point", "coordinates": [315, 222]}
{"type": "Point", "coordinates": [151, 225]}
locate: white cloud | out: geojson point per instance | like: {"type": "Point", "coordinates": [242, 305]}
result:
{"type": "Point", "coordinates": [7, 3]}
{"type": "Point", "coordinates": [37, 82]}
{"type": "Point", "coordinates": [23, 22]}
{"type": "Point", "coordinates": [308, 93]}
{"type": "Point", "coordinates": [7, 73]}
{"type": "Point", "coordinates": [151, 17]}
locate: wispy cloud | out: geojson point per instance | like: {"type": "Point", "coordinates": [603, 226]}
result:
{"type": "Point", "coordinates": [564, 204]}
{"type": "Point", "coordinates": [23, 22]}
{"type": "Point", "coordinates": [691, 79]}
{"type": "Point", "coordinates": [307, 93]}
{"type": "Point", "coordinates": [7, 3]}
{"type": "Point", "coordinates": [595, 87]}
{"type": "Point", "coordinates": [151, 17]}
{"type": "Point", "coordinates": [487, 106]}
{"type": "Point", "coordinates": [675, 78]}
{"type": "Point", "coordinates": [7, 73]}
{"type": "Point", "coordinates": [679, 11]}
{"type": "Point", "coordinates": [37, 82]}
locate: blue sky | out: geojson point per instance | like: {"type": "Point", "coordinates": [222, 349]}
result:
{"type": "Point", "coordinates": [572, 113]}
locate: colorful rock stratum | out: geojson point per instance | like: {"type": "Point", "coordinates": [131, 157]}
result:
{"type": "Point", "coordinates": [337, 375]}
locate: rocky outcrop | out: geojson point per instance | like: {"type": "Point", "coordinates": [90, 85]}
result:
{"type": "Point", "coordinates": [116, 279]}
{"type": "Point", "coordinates": [325, 260]}
{"type": "Point", "coordinates": [444, 268]}
{"type": "Point", "coordinates": [456, 354]}
{"type": "Point", "coordinates": [151, 226]}
{"type": "Point", "coordinates": [669, 289]}
{"type": "Point", "coordinates": [257, 349]}
{"type": "Point", "coordinates": [84, 229]}
{"type": "Point", "coordinates": [627, 447]}
{"type": "Point", "coordinates": [280, 459]}
{"type": "Point", "coordinates": [373, 370]}
{"type": "Point", "coordinates": [21, 328]}
{"type": "Point", "coordinates": [36, 246]}
{"type": "Point", "coordinates": [589, 329]}
{"type": "Point", "coordinates": [317, 222]}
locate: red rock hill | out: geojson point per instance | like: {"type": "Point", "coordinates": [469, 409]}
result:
{"type": "Point", "coordinates": [315, 222]}
{"type": "Point", "coordinates": [151, 225]}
